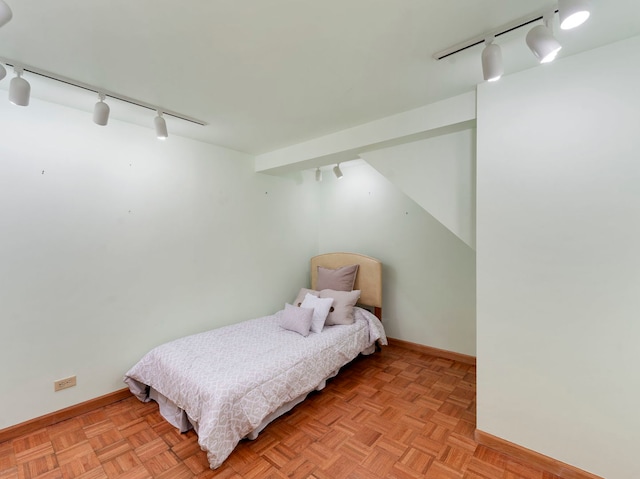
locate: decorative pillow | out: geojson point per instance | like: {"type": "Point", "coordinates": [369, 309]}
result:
{"type": "Point", "coordinates": [296, 319]}
{"type": "Point", "coordinates": [320, 307]}
{"type": "Point", "coordinates": [341, 279]}
{"type": "Point", "coordinates": [343, 303]}
{"type": "Point", "coordinates": [303, 291]}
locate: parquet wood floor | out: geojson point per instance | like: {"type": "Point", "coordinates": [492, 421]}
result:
{"type": "Point", "coordinates": [398, 414]}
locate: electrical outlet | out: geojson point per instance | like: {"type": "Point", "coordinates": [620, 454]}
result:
{"type": "Point", "coordinates": [64, 383]}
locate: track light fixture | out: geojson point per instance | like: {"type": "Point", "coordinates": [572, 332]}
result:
{"type": "Point", "coordinates": [19, 89]}
{"type": "Point", "coordinates": [161, 127]}
{"type": "Point", "coordinates": [5, 13]}
{"type": "Point", "coordinates": [542, 43]}
{"type": "Point", "coordinates": [492, 67]}
{"type": "Point", "coordinates": [540, 39]}
{"type": "Point", "coordinates": [337, 171]}
{"type": "Point", "coordinates": [573, 13]}
{"type": "Point", "coordinates": [101, 111]}
{"type": "Point", "coordinates": [318, 174]}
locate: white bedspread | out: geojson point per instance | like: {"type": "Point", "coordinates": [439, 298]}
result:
{"type": "Point", "coordinates": [229, 379]}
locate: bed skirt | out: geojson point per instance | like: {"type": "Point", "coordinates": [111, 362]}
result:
{"type": "Point", "coordinates": [179, 418]}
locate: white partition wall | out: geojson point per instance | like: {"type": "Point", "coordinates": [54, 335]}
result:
{"type": "Point", "coordinates": [558, 262]}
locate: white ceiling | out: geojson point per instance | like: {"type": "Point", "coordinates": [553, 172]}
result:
{"type": "Point", "coordinates": [265, 74]}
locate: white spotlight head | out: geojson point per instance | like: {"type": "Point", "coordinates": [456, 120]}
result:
{"type": "Point", "coordinates": [19, 90]}
{"type": "Point", "coordinates": [161, 127]}
{"type": "Point", "coordinates": [318, 174]}
{"type": "Point", "coordinates": [3, 72]}
{"type": "Point", "coordinates": [543, 44]}
{"type": "Point", "coordinates": [337, 171]}
{"type": "Point", "coordinates": [101, 112]}
{"type": "Point", "coordinates": [5, 13]}
{"type": "Point", "coordinates": [492, 67]}
{"type": "Point", "coordinates": [573, 13]}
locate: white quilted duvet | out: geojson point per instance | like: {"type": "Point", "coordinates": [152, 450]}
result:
{"type": "Point", "coordinates": [229, 379]}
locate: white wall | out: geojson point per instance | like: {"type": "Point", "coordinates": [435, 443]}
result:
{"type": "Point", "coordinates": [428, 272]}
{"type": "Point", "coordinates": [437, 173]}
{"type": "Point", "coordinates": [557, 259]}
{"type": "Point", "coordinates": [427, 160]}
{"type": "Point", "coordinates": [112, 242]}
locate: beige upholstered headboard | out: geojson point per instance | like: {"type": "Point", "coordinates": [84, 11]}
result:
{"type": "Point", "coordinates": [368, 279]}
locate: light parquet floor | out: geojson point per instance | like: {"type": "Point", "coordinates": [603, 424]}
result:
{"type": "Point", "coordinates": [398, 414]}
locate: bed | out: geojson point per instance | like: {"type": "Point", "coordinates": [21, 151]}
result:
{"type": "Point", "coordinates": [231, 382]}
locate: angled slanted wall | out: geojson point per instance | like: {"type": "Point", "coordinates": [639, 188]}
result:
{"type": "Point", "coordinates": [437, 173]}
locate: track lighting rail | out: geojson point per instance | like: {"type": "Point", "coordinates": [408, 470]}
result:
{"type": "Point", "coordinates": [477, 40]}
{"type": "Point", "coordinates": [99, 91]}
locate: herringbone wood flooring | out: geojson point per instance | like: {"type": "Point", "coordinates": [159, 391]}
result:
{"type": "Point", "coordinates": [398, 414]}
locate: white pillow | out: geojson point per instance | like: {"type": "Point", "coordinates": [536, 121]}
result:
{"type": "Point", "coordinates": [343, 303]}
{"type": "Point", "coordinates": [296, 319]}
{"type": "Point", "coordinates": [321, 307]}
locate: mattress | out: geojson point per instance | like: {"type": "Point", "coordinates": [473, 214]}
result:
{"type": "Point", "coordinates": [229, 380]}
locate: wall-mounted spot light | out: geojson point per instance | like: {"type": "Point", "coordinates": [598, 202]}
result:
{"type": "Point", "coordinates": [5, 13]}
{"type": "Point", "coordinates": [318, 174]}
{"type": "Point", "coordinates": [161, 126]}
{"type": "Point", "coordinates": [492, 67]}
{"type": "Point", "coordinates": [542, 43]}
{"type": "Point", "coordinates": [101, 111]}
{"type": "Point", "coordinates": [337, 171]}
{"type": "Point", "coordinates": [573, 13]}
{"type": "Point", "coordinates": [19, 89]}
